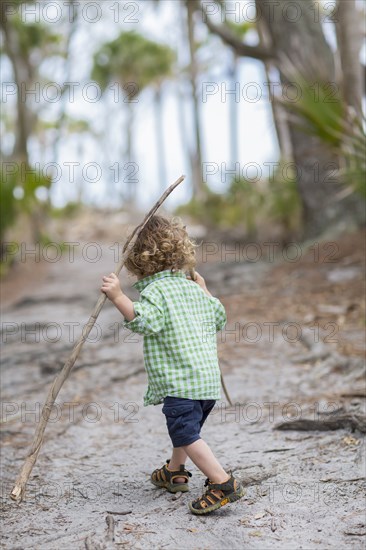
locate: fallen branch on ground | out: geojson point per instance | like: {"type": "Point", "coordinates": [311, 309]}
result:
{"type": "Point", "coordinates": [337, 422]}
{"type": "Point", "coordinates": [319, 351]}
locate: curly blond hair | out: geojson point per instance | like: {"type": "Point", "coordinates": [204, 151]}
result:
{"type": "Point", "coordinates": [162, 244]}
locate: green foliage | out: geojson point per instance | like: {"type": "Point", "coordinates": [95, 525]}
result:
{"type": "Point", "coordinates": [68, 211]}
{"type": "Point", "coordinates": [323, 113]}
{"type": "Point", "coordinates": [282, 202]}
{"type": "Point", "coordinates": [46, 239]}
{"type": "Point", "coordinates": [353, 152]}
{"type": "Point", "coordinates": [132, 58]}
{"type": "Point", "coordinates": [247, 205]}
{"type": "Point", "coordinates": [29, 182]}
{"type": "Point", "coordinates": [6, 260]}
{"type": "Point", "coordinates": [7, 205]}
{"type": "Point", "coordinates": [245, 199]}
{"type": "Point", "coordinates": [32, 37]}
{"type": "Point", "coordinates": [33, 180]}
{"type": "Point", "coordinates": [240, 29]}
{"type": "Point", "coordinates": [319, 111]}
{"type": "Point", "coordinates": [28, 45]}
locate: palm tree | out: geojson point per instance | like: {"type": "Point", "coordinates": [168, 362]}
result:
{"type": "Point", "coordinates": [136, 63]}
{"type": "Point", "coordinates": [334, 124]}
{"type": "Point", "coordinates": [187, 17]}
{"type": "Point", "coordinates": [68, 67]}
{"type": "Point", "coordinates": [26, 45]}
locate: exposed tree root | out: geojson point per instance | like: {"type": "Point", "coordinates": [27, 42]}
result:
{"type": "Point", "coordinates": [337, 422]}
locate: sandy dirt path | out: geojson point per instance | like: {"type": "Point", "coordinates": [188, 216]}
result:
{"type": "Point", "coordinates": [90, 487]}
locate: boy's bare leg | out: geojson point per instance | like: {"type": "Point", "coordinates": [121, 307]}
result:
{"type": "Point", "coordinates": [179, 456]}
{"type": "Point", "coordinates": [202, 456]}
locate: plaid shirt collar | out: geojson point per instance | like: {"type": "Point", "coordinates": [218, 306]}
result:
{"type": "Point", "coordinates": [142, 283]}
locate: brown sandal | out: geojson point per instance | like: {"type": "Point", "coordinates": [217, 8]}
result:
{"type": "Point", "coordinates": [217, 495]}
{"type": "Point", "coordinates": [162, 477]}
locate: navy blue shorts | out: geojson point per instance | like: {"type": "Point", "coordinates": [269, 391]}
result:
{"type": "Point", "coordinates": [185, 418]}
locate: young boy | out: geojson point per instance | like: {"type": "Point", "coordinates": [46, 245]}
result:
{"type": "Point", "coordinates": [179, 319]}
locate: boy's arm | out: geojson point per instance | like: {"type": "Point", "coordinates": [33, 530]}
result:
{"type": "Point", "coordinates": [112, 288]}
{"type": "Point", "coordinates": [144, 317]}
{"type": "Point", "coordinates": [201, 282]}
{"type": "Point", "coordinates": [125, 306]}
{"type": "Point", "coordinates": [220, 313]}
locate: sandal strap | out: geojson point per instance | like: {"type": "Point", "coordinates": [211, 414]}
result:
{"type": "Point", "coordinates": [227, 486]}
{"type": "Point", "coordinates": [164, 474]}
{"type": "Point", "coordinates": [222, 486]}
{"type": "Point", "coordinates": [209, 498]}
{"type": "Point", "coordinates": [161, 474]}
{"type": "Point", "coordinates": [183, 470]}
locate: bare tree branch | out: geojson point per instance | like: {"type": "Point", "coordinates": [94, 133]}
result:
{"type": "Point", "coordinates": [244, 50]}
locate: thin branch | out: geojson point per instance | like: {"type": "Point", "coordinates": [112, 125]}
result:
{"type": "Point", "coordinates": [243, 50]}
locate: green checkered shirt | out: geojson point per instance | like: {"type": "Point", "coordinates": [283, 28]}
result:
{"type": "Point", "coordinates": [179, 322]}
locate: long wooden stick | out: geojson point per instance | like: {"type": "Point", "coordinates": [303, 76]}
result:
{"type": "Point", "coordinates": [225, 390]}
{"type": "Point", "coordinates": [18, 491]}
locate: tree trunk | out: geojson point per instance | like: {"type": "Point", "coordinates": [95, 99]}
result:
{"type": "Point", "coordinates": [278, 112]}
{"type": "Point", "coordinates": [21, 76]}
{"type": "Point", "coordinates": [182, 124]}
{"type": "Point", "coordinates": [67, 78]}
{"type": "Point", "coordinates": [130, 185]}
{"type": "Point", "coordinates": [196, 156]}
{"type": "Point", "coordinates": [160, 139]}
{"type": "Point", "coordinates": [234, 114]}
{"type": "Point", "coordinates": [349, 38]}
{"type": "Point", "coordinates": [302, 42]}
